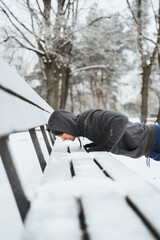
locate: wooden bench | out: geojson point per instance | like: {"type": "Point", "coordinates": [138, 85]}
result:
{"type": "Point", "coordinates": [82, 196]}
{"type": "Point", "coordinates": [21, 109]}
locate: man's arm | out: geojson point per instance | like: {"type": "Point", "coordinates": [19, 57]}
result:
{"type": "Point", "coordinates": [114, 124]}
{"type": "Point", "coordinates": [116, 130]}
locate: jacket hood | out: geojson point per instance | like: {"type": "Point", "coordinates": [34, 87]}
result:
{"type": "Point", "coordinates": [62, 121]}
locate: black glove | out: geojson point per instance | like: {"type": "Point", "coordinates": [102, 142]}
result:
{"type": "Point", "coordinates": [88, 146]}
{"type": "Point", "coordinates": [91, 147]}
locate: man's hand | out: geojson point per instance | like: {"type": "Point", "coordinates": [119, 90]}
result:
{"type": "Point", "coordinates": [88, 146]}
{"type": "Point", "coordinates": [91, 147]}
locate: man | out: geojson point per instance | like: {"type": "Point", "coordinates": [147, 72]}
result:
{"type": "Point", "coordinates": [109, 131]}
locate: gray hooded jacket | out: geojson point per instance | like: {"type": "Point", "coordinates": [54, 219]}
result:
{"type": "Point", "coordinates": [108, 130]}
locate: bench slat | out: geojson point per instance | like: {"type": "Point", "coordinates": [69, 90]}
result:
{"type": "Point", "coordinates": [143, 194]}
{"type": "Point", "coordinates": [20, 115]}
{"type": "Point", "coordinates": [84, 166]}
{"type": "Point", "coordinates": [53, 215]}
{"type": "Point", "coordinates": [13, 82]}
{"type": "Point", "coordinates": [59, 146]}
{"type": "Point", "coordinates": [54, 212]}
{"type": "Point", "coordinates": [115, 168]}
{"type": "Point", "coordinates": [57, 171]}
{"type": "Point", "coordinates": [109, 217]}
{"type": "Point", "coordinates": [107, 213]}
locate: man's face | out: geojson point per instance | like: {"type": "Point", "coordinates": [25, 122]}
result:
{"type": "Point", "coordinates": [66, 136]}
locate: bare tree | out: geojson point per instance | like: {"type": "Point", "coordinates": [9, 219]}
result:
{"type": "Point", "coordinates": [158, 116]}
{"type": "Point", "coordinates": [147, 60]}
{"type": "Point", "coordinates": [157, 92]}
{"type": "Point", "coordinates": [49, 35]}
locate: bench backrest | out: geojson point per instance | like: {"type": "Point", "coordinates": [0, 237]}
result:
{"type": "Point", "coordinates": [21, 109]}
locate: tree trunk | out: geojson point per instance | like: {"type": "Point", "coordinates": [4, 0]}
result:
{"type": "Point", "coordinates": [92, 86]}
{"type": "Point", "coordinates": [72, 100]}
{"type": "Point", "coordinates": [158, 116]}
{"type": "Point", "coordinates": [52, 75]}
{"type": "Point", "coordinates": [145, 85]}
{"type": "Point", "coordinates": [47, 24]}
{"type": "Point", "coordinates": [64, 87]}
{"type": "Point", "coordinates": [79, 98]}
{"type": "Point", "coordinates": [56, 97]}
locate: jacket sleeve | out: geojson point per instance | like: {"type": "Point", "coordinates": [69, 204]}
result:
{"type": "Point", "coordinates": [116, 130]}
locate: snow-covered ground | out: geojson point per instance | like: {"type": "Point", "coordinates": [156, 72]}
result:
{"type": "Point", "coordinates": [30, 173]}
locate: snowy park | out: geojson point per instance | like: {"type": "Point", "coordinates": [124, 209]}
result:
{"type": "Point", "coordinates": [77, 56]}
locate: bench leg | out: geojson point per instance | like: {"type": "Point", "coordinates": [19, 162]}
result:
{"type": "Point", "coordinates": [21, 200]}
{"type": "Point", "coordinates": [46, 139]}
{"type": "Point", "coordinates": [37, 148]}
{"type": "Point", "coordinates": [52, 137]}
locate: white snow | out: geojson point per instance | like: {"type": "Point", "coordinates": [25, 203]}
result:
{"type": "Point", "coordinates": [18, 115]}
{"type": "Point", "coordinates": [12, 81]}
{"type": "Point", "coordinates": [152, 174]}
{"type": "Point", "coordinates": [35, 83]}
{"type": "Point", "coordinates": [130, 95]}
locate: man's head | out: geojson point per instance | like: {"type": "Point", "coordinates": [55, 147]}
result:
{"type": "Point", "coordinates": [64, 122]}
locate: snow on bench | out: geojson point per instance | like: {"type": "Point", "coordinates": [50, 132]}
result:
{"type": "Point", "coordinates": [77, 199]}
{"type": "Point", "coordinates": [54, 213]}
{"type": "Point", "coordinates": [142, 195]}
